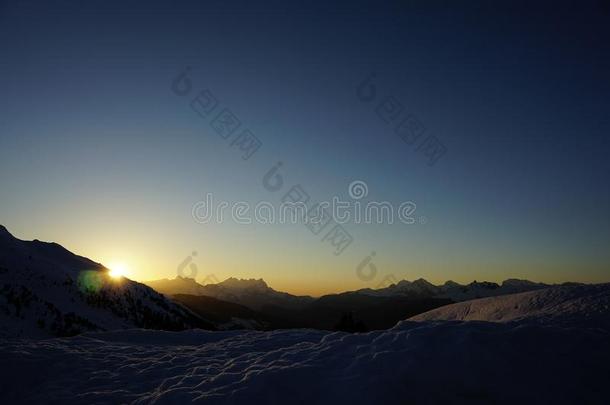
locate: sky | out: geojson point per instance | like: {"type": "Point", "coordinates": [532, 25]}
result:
{"type": "Point", "coordinates": [102, 152]}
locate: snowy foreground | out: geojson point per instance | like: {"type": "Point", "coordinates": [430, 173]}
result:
{"type": "Point", "coordinates": [415, 362]}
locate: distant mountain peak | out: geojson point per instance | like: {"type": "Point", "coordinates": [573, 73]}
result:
{"type": "Point", "coordinates": [518, 282]}
{"type": "Point", "coordinates": [252, 293]}
{"type": "Point", "coordinates": [483, 284]}
{"type": "Point", "coordinates": [421, 288]}
{"type": "Point", "coordinates": [238, 283]}
{"type": "Point", "coordinates": [451, 283]}
{"type": "Point", "coordinates": [423, 282]}
{"type": "Point", "coordinates": [186, 279]}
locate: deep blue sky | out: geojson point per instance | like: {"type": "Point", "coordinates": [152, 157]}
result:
{"type": "Point", "coordinates": [98, 154]}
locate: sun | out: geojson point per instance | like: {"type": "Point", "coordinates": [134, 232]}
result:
{"type": "Point", "coordinates": [118, 270]}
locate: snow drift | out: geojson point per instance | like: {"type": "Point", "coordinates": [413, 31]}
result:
{"type": "Point", "coordinates": [580, 304]}
{"type": "Point", "coordinates": [517, 360]}
{"type": "Point", "coordinates": [447, 362]}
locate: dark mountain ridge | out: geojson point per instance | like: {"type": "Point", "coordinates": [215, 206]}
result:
{"type": "Point", "coordinates": [45, 290]}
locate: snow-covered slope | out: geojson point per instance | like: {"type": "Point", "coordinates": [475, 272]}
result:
{"type": "Point", "coordinates": [45, 290]}
{"type": "Point", "coordinates": [551, 346]}
{"type": "Point", "coordinates": [415, 362]}
{"type": "Point", "coordinates": [565, 304]}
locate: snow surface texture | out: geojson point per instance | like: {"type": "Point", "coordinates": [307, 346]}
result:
{"type": "Point", "coordinates": [588, 304]}
{"type": "Point", "coordinates": [415, 362]}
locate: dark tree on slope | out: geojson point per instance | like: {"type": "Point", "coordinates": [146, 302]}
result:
{"type": "Point", "coordinates": [348, 324]}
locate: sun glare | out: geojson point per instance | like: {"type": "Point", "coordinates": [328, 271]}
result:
{"type": "Point", "coordinates": [118, 270]}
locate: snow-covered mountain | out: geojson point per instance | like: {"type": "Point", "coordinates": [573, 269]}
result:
{"type": "Point", "coordinates": [253, 293]}
{"type": "Point", "coordinates": [562, 304]}
{"type": "Point", "coordinates": [376, 309]}
{"type": "Point", "coordinates": [45, 290]}
{"type": "Point", "coordinates": [256, 294]}
{"type": "Point", "coordinates": [423, 362]}
{"type": "Point", "coordinates": [457, 292]}
{"type": "Point", "coordinates": [175, 286]}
